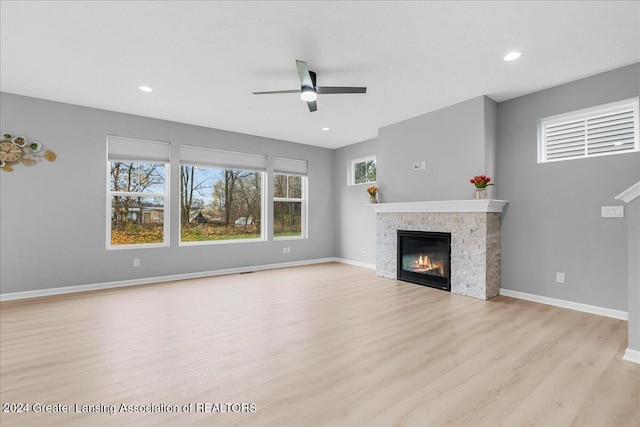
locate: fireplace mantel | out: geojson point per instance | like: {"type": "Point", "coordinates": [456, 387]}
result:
{"type": "Point", "coordinates": [481, 205]}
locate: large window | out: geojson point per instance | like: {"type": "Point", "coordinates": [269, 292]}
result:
{"type": "Point", "coordinates": [599, 131]}
{"type": "Point", "coordinates": [221, 195]}
{"type": "Point", "coordinates": [289, 198]}
{"type": "Point", "coordinates": [138, 177]}
{"type": "Point", "coordinates": [362, 171]}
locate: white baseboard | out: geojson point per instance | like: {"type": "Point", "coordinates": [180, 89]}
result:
{"type": "Point", "coordinates": [147, 280]}
{"type": "Point", "coordinates": [356, 263]}
{"type": "Point", "coordinates": [632, 356]}
{"type": "Point", "coordinates": [601, 311]}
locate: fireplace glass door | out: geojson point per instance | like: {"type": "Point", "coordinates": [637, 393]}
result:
{"type": "Point", "coordinates": [425, 258]}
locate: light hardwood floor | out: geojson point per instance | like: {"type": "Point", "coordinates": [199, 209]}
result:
{"type": "Point", "coordinates": [325, 345]}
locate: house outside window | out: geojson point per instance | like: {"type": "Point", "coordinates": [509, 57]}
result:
{"type": "Point", "coordinates": [289, 199]}
{"type": "Point", "coordinates": [137, 193]}
{"type": "Point", "coordinates": [362, 171]}
{"type": "Point", "coordinates": [221, 196]}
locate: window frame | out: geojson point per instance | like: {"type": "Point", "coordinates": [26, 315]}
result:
{"type": "Point", "coordinates": [303, 200]}
{"type": "Point", "coordinates": [587, 114]}
{"type": "Point", "coordinates": [214, 158]}
{"type": "Point", "coordinates": [262, 238]}
{"type": "Point", "coordinates": [351, 170]}
{"type": "Point", "coordinates": [166, 239]}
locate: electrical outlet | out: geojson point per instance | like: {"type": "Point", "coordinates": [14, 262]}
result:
{"type": "Point", "coordinates": [136, 262]}
{"type": "Point", "coordinates": [560, 277]}
{"type": "Point", "coordinates": [363, 250]}
{"type": "Point", "coordinates": [423, 165]}
{"type": "Point", "coordinates": [612, 211]}
{"type": "Point", "coordinates": [286, 250]}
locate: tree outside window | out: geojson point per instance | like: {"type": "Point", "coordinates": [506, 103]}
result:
{"type": "Point", "coordinates": [288, 205]}
{"type": "Point", "coordinates": [137, 192]}
{"type": "Point", "coordinates": [219, 204]}
{"type": "Point", "coordinates": [362, 171]}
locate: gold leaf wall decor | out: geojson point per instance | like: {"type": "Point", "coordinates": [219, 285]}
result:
{"type": "Point", "coordinates": [17, 149]}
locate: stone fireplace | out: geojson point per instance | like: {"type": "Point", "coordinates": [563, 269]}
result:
{"type": "Point", "coordinates": [474, 226]}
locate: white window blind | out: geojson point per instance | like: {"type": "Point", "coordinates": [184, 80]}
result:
{"type": "Point", "coordinates": [603, 130]}
{"type": "Point", "coordinates": [190, 154]}
{"type": "Point", "coordinates": [122, 148]}
{"type": "Point", "coordinates": [292, 166]}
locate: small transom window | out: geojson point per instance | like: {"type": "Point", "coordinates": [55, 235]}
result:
{"type": "Point", "coordinates": [362, 171]}
{"type": "Point", "coordinates": [599, 131]}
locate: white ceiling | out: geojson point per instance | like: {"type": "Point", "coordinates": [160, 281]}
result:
{"type": "Point", "coordinates": [203, 59]}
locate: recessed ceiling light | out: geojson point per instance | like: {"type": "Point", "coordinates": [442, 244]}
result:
{"type": "Point", "coordinates": [512, 56]}
{"type": "Point", "coordinates": [145, 88]}
{"type": "Point", "coordinates": [325, 128]}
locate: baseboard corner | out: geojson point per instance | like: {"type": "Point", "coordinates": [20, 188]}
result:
{"type": "Point", "coordinates": [632, 356]}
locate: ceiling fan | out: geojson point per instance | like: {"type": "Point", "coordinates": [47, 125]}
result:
{"type": "Point", "coordinates": [309, 91]}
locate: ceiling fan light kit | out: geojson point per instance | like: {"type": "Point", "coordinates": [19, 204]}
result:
{"type": "Point", "coordinates": [309, 90]}
{"type": "Point", "coordinates": [308, 94]}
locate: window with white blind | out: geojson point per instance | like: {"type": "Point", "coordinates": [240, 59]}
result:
{"type": "Point", "coordinates": [599, 131]}
{"type": "Point", "coordinates": [221, 196]}
{"type": "Point", "coordinates": [137, 193]}
{"type": "Point", "coordinates": [289, 198]}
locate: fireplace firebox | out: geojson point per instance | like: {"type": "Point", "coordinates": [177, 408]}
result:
{"type": "Point", "coordinates": [424, 258]}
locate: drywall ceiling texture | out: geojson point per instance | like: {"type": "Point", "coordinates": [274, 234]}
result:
{"type": "Point", "coordinates": [203, 59]}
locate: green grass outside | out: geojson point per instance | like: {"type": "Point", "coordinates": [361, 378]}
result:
{"type": "Point", "coordinates": [197, 234]}
{"type": "Point", "coordinates": [288, 234]}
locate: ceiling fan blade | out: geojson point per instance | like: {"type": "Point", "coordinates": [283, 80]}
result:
{"type": "Point", "coordinates": [312, 106]}
{"type": "Point", "coordinates": [325, 90]}
{"type": "Point", "coordinates": [303, 72]}
{"type": "Point", "coordinates": [271, 92]}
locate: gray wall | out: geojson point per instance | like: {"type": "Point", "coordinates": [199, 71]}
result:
{"type": "Point", "coordinates": [552, 223]}
{"type": "Point", "coordinates": [491, 144]}
{"type": "Point", "coordinates": [633, 283]}
{"type": "Point", "coordinates": [53, 214]}
{"type": "Point", "coordinates": [355, 221]}
{"type": "Point", "coordinates": [453, 143]}
{"type": "Point", "coordinates": [456, 143]}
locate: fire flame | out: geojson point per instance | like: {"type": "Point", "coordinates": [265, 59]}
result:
{"type": "Point", "coordinates": [424, 265]}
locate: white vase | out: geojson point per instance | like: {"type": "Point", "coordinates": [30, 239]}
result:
{"type": "Point", "coordinates": [481, 193]}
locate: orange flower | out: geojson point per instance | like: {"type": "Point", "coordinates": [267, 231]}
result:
{"type": "Point", "coordinates": [50, 155]}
